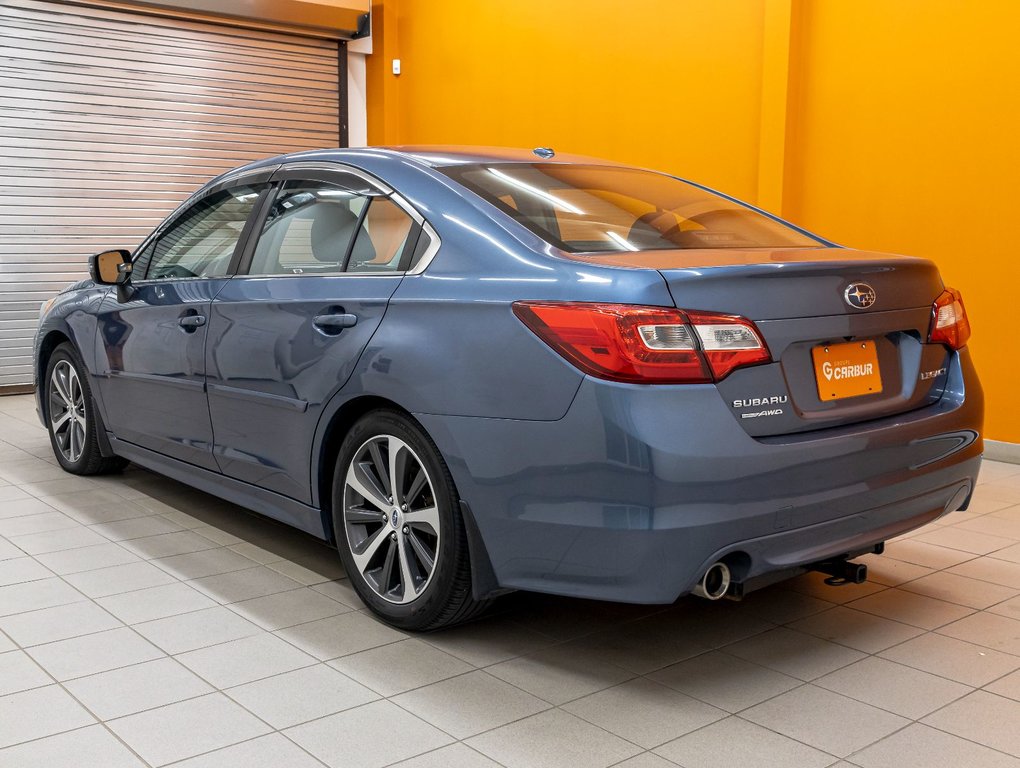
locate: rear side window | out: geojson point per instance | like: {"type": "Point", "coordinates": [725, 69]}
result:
{"type": "Point", "coordinates": [605, 209]}
{"type": "Point", "coordinates": [201, 241]}
{"type": "Point", "coordinates": [383, 238]}
{"type": "Point", "coordinates": [309, 229]}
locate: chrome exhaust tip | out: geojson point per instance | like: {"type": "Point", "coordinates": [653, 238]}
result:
{"type": "Point", "coordinates": [715, 583]}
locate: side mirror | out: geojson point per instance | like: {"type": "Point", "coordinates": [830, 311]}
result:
{"type": "Point", "coordinates": [111, 267]}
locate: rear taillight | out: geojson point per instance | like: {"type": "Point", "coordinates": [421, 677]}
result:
{"type": "Point", "coordinates": [645, 345]}
{"type": "Point", "coordinates": [949, 323]}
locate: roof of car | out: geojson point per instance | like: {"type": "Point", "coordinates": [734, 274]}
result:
{"type": "Point", "coordinates": [438, 155]}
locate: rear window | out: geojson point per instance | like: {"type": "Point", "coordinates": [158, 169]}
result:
{"type": "Point", "coordinates": [600, 209]}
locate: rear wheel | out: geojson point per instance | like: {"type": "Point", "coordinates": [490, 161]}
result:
{"type": "Point", "coordinates": [398, 525]}
{"type": "Point", "coordinates": [71, 418]}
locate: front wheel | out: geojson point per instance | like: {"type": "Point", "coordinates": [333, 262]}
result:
{"type": "Point", "coordinates": [398, 525]}
{"type": "Point", "coordinates": [71, 416]}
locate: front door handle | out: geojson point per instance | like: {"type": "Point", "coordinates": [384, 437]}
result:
{"type": "Point", "coordinates": [335, 323]}
{"type": "Point", "coordinates": [190, 322]}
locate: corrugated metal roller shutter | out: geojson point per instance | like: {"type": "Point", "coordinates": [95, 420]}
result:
{"type": "Point", "coordinates": [108, 119]}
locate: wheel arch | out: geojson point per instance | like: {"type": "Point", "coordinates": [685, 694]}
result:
{"type": "Point", "coordinates": [47, 344]}
{"type": "Point", "coordinates": [331, 434]}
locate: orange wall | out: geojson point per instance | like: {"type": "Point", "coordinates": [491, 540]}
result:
{"type": "Point", "coordinates": [885, 125]}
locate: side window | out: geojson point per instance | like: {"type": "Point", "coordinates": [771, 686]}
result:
{"type": "Point", "coordinates": [140, 263]}
{"type": "Point", "coordinates": [382, 239]}
{"type": "Point", "coordinates": [309, 229]}
{"type": "Point", "coordinates": [202, 240]}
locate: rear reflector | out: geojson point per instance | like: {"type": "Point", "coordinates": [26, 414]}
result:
{"type": "Point", "coordinates": [949, 323]}
{"type": "Point", "coordinates": [645, 345]}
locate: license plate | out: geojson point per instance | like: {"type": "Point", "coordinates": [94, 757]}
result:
{"type": "Point", "coordinates": [846, 370]}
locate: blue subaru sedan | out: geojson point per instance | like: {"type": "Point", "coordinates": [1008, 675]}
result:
{"type": "Point", "coordinates": [483, 370]}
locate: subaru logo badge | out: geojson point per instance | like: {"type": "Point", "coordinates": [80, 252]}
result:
{"type": "Point", "coordinates": [859, 295]}
{"type": "Point", "coordinates": [394, 518]}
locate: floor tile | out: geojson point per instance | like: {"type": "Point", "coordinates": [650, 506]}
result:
{"type": "Point", "coordinates": [454, 756]}
{"type": "Point", "coordinates": [18, 570]}
{"type": "Point", "coordinates": [983, 718]}
{"type": "Point", "coordinates": [856, 629]}
{"type": "Point", "coordinates": [135, 528]}
{"type": "Point", "coordinates": [91, 558]}
{"type": "Point", "coordinates": [401, 666]}
{"type": "Point", "coordinates": [363, 737]}
{"type": "Point", "coordinates": [559, 674]}
{"type": "Point", "coordinates": [103, 582]}
{"type": "Point", "coordinates": [190, 631]}
{"type": "Point", "coordinates": [794, 653]}
{"type": "Point", "coordinates": [18, 672]}
{"type": "Point", "coordinates": [461, 705]}
{"type": "Point", "coordinates": [964, 540]}
{"type": "Point", "coordinates": [644, 712]}
{"type": "Point", "coordinates": [1008, 686]}
{"type": "Point", "coordinates": [989, 569]}
{"type": "Point", "coordinates": [954, 588]}
{"type": "Point", "coordinates": [646, 760]}
{"type": "Point", "coordinates": [187, 728]}
{"type": "Point", "coordinates": [999, 633]}
{"type": "Point", "coordinates": [34, 595]}
{"type": "Point", "coordinates": [245, 660]}
{"type": "Point", "coordinates": [302, 695]}
{"type": "Point", "coordinates": [16, 503]}
{"type": "Point", "coordinates": [206, 562]}
{"type": "Point", "coordinates": [735, 742]}
{"type": "Point", "coordinates": [89, 654]}
{"type": "Point", "coordinates": [553, 739]}
{"type": "Point", "coordinates": [39, 712]}
{"type": "Point", "coordinates": [893, 687]}
{"type": "Point", "coordinates": [48, 625]}
{"type": "Point", "coordinates": [169, 545]}
{"type": "Point", "coordinates": [910, 608]}
{"type": "Point", "coordinates": [155, 603]}
{"type": "Point", "coordinates": [927, 555]}
{"type": "Point", "coordinates": [954, 659]}
{"type": "Point", "coordinates": [725, 681]}
{"type": "Point", "coordinates": [59, 540]}
{"type": "Point", "coordinates": [661, 639]}
{"type": "Point", "coordinates": [136, 688]}
{"type": "Point", "coordinates": [813, 584]}
{"type": "Point", "coordinates": [285, 609]}
{"type": "Point", "coordinates": [235, 586]}
{"type": "Point", "coordinates": [93, 746]}
{"type": "Point", "coordinates": [918, 746]}
{"type": "Point", "coordinates": [270, 751]}
{"type": "Point", "coordinates": [825, 720]}
{"type": "Point", "coordinates": [340, 635]}
{"type": "Point", "coordinates": [13, 527]}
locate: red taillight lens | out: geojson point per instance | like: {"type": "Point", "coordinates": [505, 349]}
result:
{"type": "Point", "coordinates": [646, 345]}
{"type": "Point", "coordinates": [949, 323]}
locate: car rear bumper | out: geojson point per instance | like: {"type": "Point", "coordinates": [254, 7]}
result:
{"type": "Point", "coordinates": [638, 489]}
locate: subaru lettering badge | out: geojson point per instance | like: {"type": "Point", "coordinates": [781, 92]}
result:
{"type": "Point", "coordinates": [859, 295]}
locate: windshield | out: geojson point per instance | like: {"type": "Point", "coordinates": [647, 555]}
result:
{"type": "Point", "coordinates": [603, 209]}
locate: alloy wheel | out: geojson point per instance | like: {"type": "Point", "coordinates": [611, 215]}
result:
{"type": "Point", "coordinates": [391, 518]}
{"type": "Point", "coordinates": [68, 419]}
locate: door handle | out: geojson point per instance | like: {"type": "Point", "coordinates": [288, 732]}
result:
{"type": "Point", "coordinates": [335, 323]}
{"type": "Point", "coordinates": [190, 322]}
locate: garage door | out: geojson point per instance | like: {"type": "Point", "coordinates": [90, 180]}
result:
{"type": "Point", "coordinates": [108, 119]}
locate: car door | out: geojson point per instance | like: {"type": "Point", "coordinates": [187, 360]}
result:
{"type": "Point", "coordinates": [152, 333]}
{"type": "Point", "coordinates": [286, 333]}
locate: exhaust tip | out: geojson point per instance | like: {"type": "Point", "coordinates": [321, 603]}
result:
{"type": "Point", "coordinates": [715, 583]}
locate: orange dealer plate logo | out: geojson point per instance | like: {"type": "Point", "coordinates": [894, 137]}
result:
{"type": "Point", "coordinates": [846, 370]}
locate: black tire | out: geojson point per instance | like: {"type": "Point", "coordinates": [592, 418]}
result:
{"type": "Point", "coordinates": [446, 597]}
{"type": "Point", "coordinates": [83, 456]}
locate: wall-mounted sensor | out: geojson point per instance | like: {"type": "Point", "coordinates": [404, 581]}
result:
{"type": "Point", "coordinates": [544, 152]}
{"type": "Point", "coordinates": [396, 66]}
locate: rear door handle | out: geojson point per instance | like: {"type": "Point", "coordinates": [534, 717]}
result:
{"type": "Point", "coordinates": [336, 322]}
{"type": "Point", "coordinates": [191, 321]}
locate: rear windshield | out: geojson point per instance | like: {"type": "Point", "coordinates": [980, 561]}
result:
{"type": "Point", "coordinates": [600, 209]}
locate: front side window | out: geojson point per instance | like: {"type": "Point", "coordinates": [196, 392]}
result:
{"type": "Point", "coordinates": [605, 209]}
{"type": "Point", "coordinates": [201, 242]}
{"type": "Point", "coordinates": [309, 229]}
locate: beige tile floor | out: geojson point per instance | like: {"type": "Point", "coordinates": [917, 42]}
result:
{"type": "Point", "coordinates": [144, 623]}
